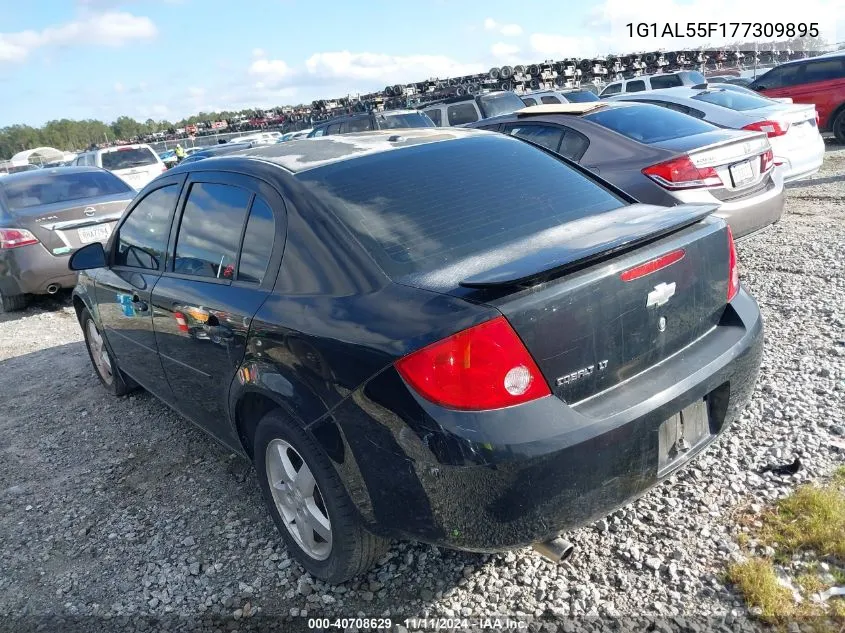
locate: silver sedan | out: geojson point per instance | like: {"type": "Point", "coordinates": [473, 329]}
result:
{"type": "Point", "coordinates": [792, 128]}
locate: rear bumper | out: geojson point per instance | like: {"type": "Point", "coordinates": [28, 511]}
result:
{"type": "Point", "coordinates": [503, 479]}
{"type": "Point", "coordinates": [32, 269]}
{"type": "Point", "coordinates": [799, 160]}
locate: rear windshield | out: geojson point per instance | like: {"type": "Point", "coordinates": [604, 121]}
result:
{"type": "Point", "coordinates": [126, 157]}
{"type": "Point", "coordinates": [47, 188]}
{"type": "Point", "coordinates": [648, 123]}
{"type": "Point", "coordinates": [410, 119]}
{"type": "Point", "coordinates": [502, 103]}
{"type": "Point", "coordinates": [582, 96]}
{"type": "Point", "coordinates": [420, 208]}
{"type": "Point", "coordinates": [733, 100]}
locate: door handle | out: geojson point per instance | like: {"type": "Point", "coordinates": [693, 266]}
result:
{"type": "Point", "coordinates": [140, 306]}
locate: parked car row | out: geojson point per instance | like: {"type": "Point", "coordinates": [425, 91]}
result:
{"type": "Point", "coordinates": [475, 364]}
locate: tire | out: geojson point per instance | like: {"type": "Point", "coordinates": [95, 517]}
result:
{"type": "Point", "coordinates": [350, 550]}
{"type": "Point", "coordinates": [104, 363]}
{"type": "Point", "coordinates": [12, 303]}
{"type": "Point", "coordinates": [838, 126]}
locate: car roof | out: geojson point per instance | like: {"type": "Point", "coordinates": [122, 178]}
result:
{"type": "Point", "coordinates": [302, 154]}
{"type": "Point", "coordinates": [34, 174]}
{"type": "Point", "coordinates": [840, 53]}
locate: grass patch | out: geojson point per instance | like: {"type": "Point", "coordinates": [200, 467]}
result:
{"type": "Point", "coordinates": [811, 518]}
{"type": "Point", "coordinates": [810, 583]}
{"type": "Point", "coordinates": [757, 581]}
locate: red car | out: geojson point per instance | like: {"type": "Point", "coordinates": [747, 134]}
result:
{"type": "Point", "coordinates": [818, 80]}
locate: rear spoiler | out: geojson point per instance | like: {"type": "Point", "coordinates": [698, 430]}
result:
{"type": "Point", "coordinates": [579, 243]}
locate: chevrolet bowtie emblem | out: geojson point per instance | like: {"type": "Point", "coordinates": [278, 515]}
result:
{"type": "Point", "coordinates": [660, 295]}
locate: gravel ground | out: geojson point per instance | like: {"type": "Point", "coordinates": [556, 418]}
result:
{"type": "Point", "coordinates": [119, 508]}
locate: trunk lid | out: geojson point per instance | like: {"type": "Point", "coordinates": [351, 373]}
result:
{"type": "Point", "coordinates": [63, 227]}
{"type": "Point", "coordinates": [589, 329]}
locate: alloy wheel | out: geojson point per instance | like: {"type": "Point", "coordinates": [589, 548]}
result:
{"type": "Point", "coordinates": [99, 353]}
{"type": "Point", "coordinates": [298, 499]}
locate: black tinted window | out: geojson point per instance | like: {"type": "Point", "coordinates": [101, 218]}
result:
{"type": "Point", "coordinates": [142, 238]}
{"type": "Point", "coordinates": [612, 89]}
{"type": "Point", "coordinates": [500, 103]}
{"type": "Point", "coordinates": [334, 128]}
{"type": "Point", "coordinates": [127, 157]}
{"type": "Point", "coordinates": [387, 200]}
{"type": "Point", "coordinates": [210, 230]}
{"type": "Point", "coordinates": [574, 145]}
{"type": "Point", "coordinates": [434, 115]}
{"type": "Point", "coordinates": [529, 101]}
{"type": "Point", "coordinates": [49, 188]}
{"type": "Point", "coordinates": [635, 86]}
{"type": "Point", "coordinates": [549, 100]}
{"type": "Point", "coordinates": [461, 113]}
{"type": "Point", "coordinates": [543, 135]}
{"type": "Point", "coordinates": [824, 70]}
{"type": "Point", "coordinates": [781, 77]}
{"type": "Point", "coordinates": [361, 124]}
{"type": "Point", "coordinates": [410, 119]}
{"type": "Point", "coordinates": [581, 96]}
{"type": "Point", "coordinates": [665, 81]}
{"type": "Point", "coordinates": [648, 123]}
{"type": "Point", "coordinates": [258, 243]}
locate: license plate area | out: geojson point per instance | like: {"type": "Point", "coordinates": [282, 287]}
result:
{"type": "Point", "coordinates": [742, 173]}
{"type": "Point", "coordinates": [98, 233]}
{"type": "Point", "coordinates": [681, 435]}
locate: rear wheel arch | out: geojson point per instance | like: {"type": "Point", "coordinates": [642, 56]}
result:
{"type": "Point", "coordinates": [836, 114]}
{"type": "Point", "coordinates": [250, 408]}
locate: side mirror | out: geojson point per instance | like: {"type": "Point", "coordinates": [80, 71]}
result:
{"type": "Point", "coordinates": [88, 257]}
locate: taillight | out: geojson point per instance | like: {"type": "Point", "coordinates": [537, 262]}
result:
{"type": "Point", "coordinates": [483, 367]}
{"type": "Point", "coordinates": [733, 268]}
{"type": "Point", "coordinates": [767, 160]}
{"type": "Point", "coordinates": [181, 322]}
{"type": "Point", "coordinates": [13, 238]}
{"type": "Point", "coordinates": [771, 128]}
{"type": "Point", "coordinates": [817, 118]}
{"type": "Point", "coordinates": [681, 173]}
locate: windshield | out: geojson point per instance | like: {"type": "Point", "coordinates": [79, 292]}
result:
{"type": "Point", "coordinates": [389, 121]}
{"type": "Point", "coordinates": [387, 199]}
{"type": "Point", "coordinates": [126, 157]}
{"type": "Point", "coordinates": [733, 100]}
{"type": "Point", "coordinates": [500, 103]}
{"type": "Point", "coordinates": [649, 123]}
{"type": "Point", "coordinates": [49, 188]}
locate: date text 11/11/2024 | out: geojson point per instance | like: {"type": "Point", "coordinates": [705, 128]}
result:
{"type": "Point", "coordinates": [722, 29]}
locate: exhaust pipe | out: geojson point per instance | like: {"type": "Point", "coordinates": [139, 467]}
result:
{"type": "Point", "coordinates": [556, 550]}
{"type": "Point", "coordinates": [52, 289]}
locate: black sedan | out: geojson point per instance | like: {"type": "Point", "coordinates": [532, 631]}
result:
{"type": "Point", "coordinates": [409, 343]}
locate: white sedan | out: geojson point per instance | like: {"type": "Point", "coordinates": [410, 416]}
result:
{"type": "Point", "coordinates": [792, 128]}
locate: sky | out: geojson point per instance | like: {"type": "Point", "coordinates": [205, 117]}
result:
{"type": "Point", "coordinates": [167, 59]}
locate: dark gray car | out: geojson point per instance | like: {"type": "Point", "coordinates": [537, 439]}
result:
{"type": "Point", "coordinates": [45, 215]}
{"type": "Point", "coordinates": [660, 156]}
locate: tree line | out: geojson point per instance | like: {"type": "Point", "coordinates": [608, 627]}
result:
{"type": "Point", "coordinates": [71, 135]}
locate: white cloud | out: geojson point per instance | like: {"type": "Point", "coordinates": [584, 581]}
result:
{"type": "Point", "coordinates": [508, 30]}
{"type": "Point", "coordinates": [504, 52]}
{"type": "Point", "coordinates": [114, 28]}
{"type": "Point", "coordinates": [561, 46]}
{"type": "Point", "coordinates": [386, 68]}
{"type": "Point", "coordinates": [270, 69]}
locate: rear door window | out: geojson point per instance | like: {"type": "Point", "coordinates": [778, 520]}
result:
{"type": "Point", "coordinates": [141, 240]}
{"type": "Point", "coordinates": [333, 129]}
{"type": "Point", "coordinates": [128, 157]}
{"type": "Point", "coordinates": [824, 70]}
{"type": "Point", "coordinates": [460, 113]}
{"type": "Point", "coordinates": [635, 86]}
{"type": "Point", "coordinates": [665, 81]}
{"type": "Point", "coordinates": [258, 243]}
{"type": "Point", "coordinates": [386, 200]}
{"type": "Point", "coordinates": [549, 100]}
{"type": "Point", "coordinates": [529, 101]}
{"type": "Point", "coordinates": [210, 230]}
{"type": "Point", "coordinates": [648, 124]}
{"type": "Point", "coordinates": [361, 124]}
{"type": "Point", "coordinates": [612, 89]}
{"type": "Point", "coordinates": [781, 77]}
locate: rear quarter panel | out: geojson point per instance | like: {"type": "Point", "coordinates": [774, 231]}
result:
{"type": "Point", "coordinates": [827, 96]}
